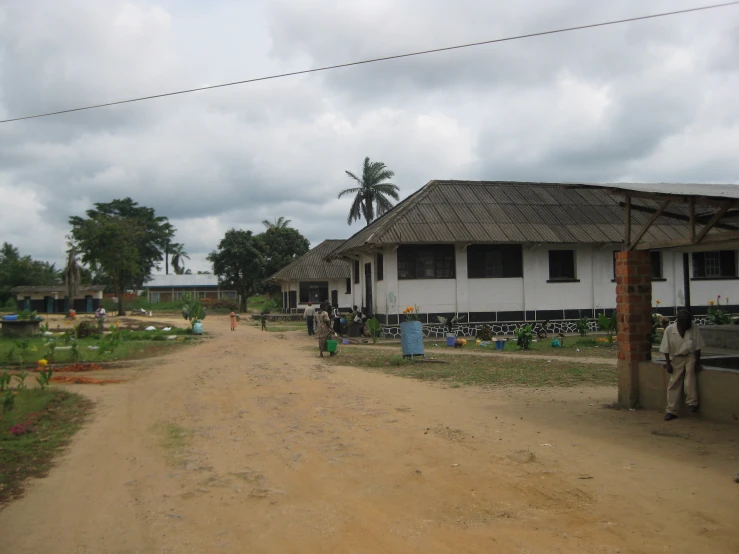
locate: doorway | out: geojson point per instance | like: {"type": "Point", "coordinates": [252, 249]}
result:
{"type": "Point", "coordinates": [335, 298]}
{"type": "Point", "coordinates": [292, 300]}
{"type": "Point", "coordinates": [368, 289]}
{"type": "Point", "coordinates": [49, 303]}
{"type": "Point", "coordinates": [88, 304]}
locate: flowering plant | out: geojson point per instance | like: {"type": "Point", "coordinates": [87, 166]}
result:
{"type": "Point", "coordinates": [20, 429]}
{"type": "Point", "coordinates": [411, 313]}
{"type": "Point", "coordinates": [715, 315]}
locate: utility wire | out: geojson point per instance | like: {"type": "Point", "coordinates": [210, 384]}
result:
{"type": "Point", "coordinates": [383, 59]}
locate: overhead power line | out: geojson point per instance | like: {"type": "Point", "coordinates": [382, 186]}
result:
{"type": "Point", "coordinates": [382, 59]}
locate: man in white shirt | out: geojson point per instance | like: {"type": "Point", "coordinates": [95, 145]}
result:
{"type": "Point", "coordinates": [310, 315]}
{"type": "Point", "coordinates": [681, 345]}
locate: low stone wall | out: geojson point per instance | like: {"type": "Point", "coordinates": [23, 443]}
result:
{"type": "Point", "coordinates": [501, 329]}
{"type": "Point", "coordinates": [721, 336]}
{"type": "Point", "coordinates": [717, 389]}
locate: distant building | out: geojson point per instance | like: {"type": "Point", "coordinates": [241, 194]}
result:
{"type": "Point", "coordinates": [311, 278]}
{"type": "Point", "coordinates": [170, 288]}
{"type": "Point", "coordinates": [52, 299]}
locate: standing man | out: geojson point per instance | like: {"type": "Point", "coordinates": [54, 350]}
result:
{"type": "Point", "coordinates": [310, 315]}
{"type": "Point", "coordinates": [681, 345]}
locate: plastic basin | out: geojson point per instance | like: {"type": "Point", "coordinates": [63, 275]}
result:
{"type": "Point", "coordinates": [10, 317]}
{"type": "Point", "coordinates": [331, 345]}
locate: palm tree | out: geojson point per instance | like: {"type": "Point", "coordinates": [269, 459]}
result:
{"type": "Point", "coordinates": [371, 196]}
{"type": "Point", "coordinates": [279, 223]}
{"type": "Point", "coordinates": [178, 257]}
{"type": "Point", "coordinates": [72, 275]}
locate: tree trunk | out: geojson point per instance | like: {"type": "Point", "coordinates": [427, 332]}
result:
{"type": "Point", "coordinates": [242, 306]}
{"type": "Point", "coordinates": [120, 293]}
{"type": "Point", "coordinates": [166, 260]}
{"type": "Point", "coordinates": [367, 207]}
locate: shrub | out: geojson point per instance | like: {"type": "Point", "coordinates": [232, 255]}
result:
{"type": "Point", "coordinates": [608, 325]}
{"type": "Point", "coordinates": [375, 329]}
{"type": "Point", "coordinates": [583, 326]}
{"type": "Point", "coordinates": [524, 335]}
{"type": "Point", "coordinates": [485, 334]}
{"type": "Point", "coordinates": [85, 329]}
{"type": "Point", "coordinates": [221, 304]}
{"type": "Point", "coordinates": [715, 315]}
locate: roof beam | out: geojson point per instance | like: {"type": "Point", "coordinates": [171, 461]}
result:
{"type": "Point", "coordinates": [680, 217]}
{"type": "Point", "coordinates": [708, 226]}
{"type": "Point", "coordinates": [675, 198]}
{"type": "Point", "coordinates": [716, 238]}
{"type": "Point", "coordinates": [649, 223]}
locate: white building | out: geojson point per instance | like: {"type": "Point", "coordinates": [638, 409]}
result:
{"type": "Point", "coordinates": [503, 253]}
{"type": "Point", "coordinates": [311, 278]}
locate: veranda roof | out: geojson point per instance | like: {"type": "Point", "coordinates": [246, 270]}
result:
{"type": "Point", "coordinates": [313, 265]}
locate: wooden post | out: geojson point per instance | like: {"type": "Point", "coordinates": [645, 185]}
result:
{"type": "Point", "coordinates": [686, 279]}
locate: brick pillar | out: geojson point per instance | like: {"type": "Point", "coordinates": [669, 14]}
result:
{"type": "Point", "coordinates": [634, 316]}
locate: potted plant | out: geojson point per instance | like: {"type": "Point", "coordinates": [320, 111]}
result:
{"type": "Point", "coordinates": [451, 331]}
{"type": "Point", "coordinates": [411, 333]}
{"type": "Point", "coordinates": [715, 315]}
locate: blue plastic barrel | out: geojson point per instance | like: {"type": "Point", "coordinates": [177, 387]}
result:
{"type": "Point", "coordinates": [411, 338]}
{"type": "Point", "coordinates": [450, 340]}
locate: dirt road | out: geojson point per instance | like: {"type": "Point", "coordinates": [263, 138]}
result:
{"type": "Point", "coordinates": [284, 454]}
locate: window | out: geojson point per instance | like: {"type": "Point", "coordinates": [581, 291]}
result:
{"type": "Point", "coordinates": [315, 292]}
{"type": "Point", "coordinates": [154, 297]}
{"type": "Point", "coordinates": [229, 294]}
{"type": "Point", "coordinates": [348, 285]}
{"type": "Point", "coordinates": [655, 259]}
{"type": "Point", "coordinates": [179, 295]}
{"type": "Point", "coordinates": [714, 265]}
{"type": "Point", "coordinates": [486, 261]}
{"type": "Point", "coordinates": [426, 262]}
{"type": "Point", "coordinates": [356, 272]}
{"type": "Point", "coordinates": [561, 265]}
{"type": "Point", "coordinates": [201, 294]}
{"type": "Point", "coordinates": [380, 267]}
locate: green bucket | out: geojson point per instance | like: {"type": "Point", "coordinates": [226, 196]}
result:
{"type": "Point", "coordinates": [331, 345]}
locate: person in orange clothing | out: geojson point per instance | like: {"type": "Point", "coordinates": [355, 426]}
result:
{"type": "Point", "coordinates": [232, 316]}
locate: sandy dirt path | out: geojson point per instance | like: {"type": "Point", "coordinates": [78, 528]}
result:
{"type": "Point", "coordinates": [287, 454]}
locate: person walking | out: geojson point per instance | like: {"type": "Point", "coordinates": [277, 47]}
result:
{"type": "Point", "coordinates": [323, 328]}
{"type": "Point", "coordinates": [310, 314]}
{"type": "Point", "coordinates": [232, 317]}
{"type": "Point", "coordinates": [681, 345]}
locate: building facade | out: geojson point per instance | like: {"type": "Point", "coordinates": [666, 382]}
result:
{"type": "Point", "coordinates": [172, 288]}
{"type": "Point", "coordinates": [311, 278]}
{"type": "Point", "coordinates": [503, 271]}
{"type": "Point", "coordinates": [53, 299]}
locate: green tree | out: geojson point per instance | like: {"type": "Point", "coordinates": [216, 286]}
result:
{"type": "Point", "coordinates": [17, 271]}
{"type": "Point", "coordinates": [371, 196]}
{"type": "Point", "coordinates": [178, 256]}
{"type": "Point", "coordinates": [121, 242]}
{"type": "Point", "coordinates": [279, 223]}
{"type": "Point", "coordinates": [281, 246]}
{"type": "Point", "coordinates": [239, 263]}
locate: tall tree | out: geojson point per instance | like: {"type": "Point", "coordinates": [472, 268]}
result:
{"type": "Point", "coordinates": [17, 270]}
{"type": "Point", "coordinates": [178, 257]}
{"type": "Point", "coordinates": [281, 245]}
{"type": "Point", "coordinates": [371, 196]}
{"type": "Point", "coordinates": [279, 223]}
{"type": "Point", "coordinates": [121, 242]}
{"type": "Point", "coordinates": [239, 263]}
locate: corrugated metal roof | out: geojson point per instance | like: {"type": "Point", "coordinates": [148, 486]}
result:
{"type": "Point", "coordinates": [56, 288]}
{"type": "Point", "coordinates": [190, 280]}
{"type": "Point", "coordinates": [487, 211]}
{"type": "Point", "coordinates": [313, 265]}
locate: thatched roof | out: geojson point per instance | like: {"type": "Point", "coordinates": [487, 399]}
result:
{"type": "Point", "coordinates": [313, 266]}
{"type": "Point", "coordinates": [512, 212]}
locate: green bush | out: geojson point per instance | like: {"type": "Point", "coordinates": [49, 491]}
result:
{"type": "Point", "coordinates": [524, 335]}
{"type": "Point", "coordinates": [485, 334]}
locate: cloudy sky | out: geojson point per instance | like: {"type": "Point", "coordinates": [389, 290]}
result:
{"type": "Point", "coordinates": [648, 101]}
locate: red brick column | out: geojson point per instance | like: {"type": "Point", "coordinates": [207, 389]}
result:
{"type": "Point", "coordinates": [634, 316]}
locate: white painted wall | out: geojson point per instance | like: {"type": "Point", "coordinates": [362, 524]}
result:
{"type": "Point", "coordinates": [596, 288]}
{"type": "Point", "coordinates": [333, 284]}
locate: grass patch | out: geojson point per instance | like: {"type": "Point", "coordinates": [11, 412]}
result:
{"type": "Point", "coordinates": [53, 416]}
{"type": "Point", "coordinates": [173, 439]}
{"type": "Point", "coordinates": [478, 370]}
{"type": "Point", "coordinates": [588, 347]}
{"type": "Point", "coordinates": [127, 349]}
